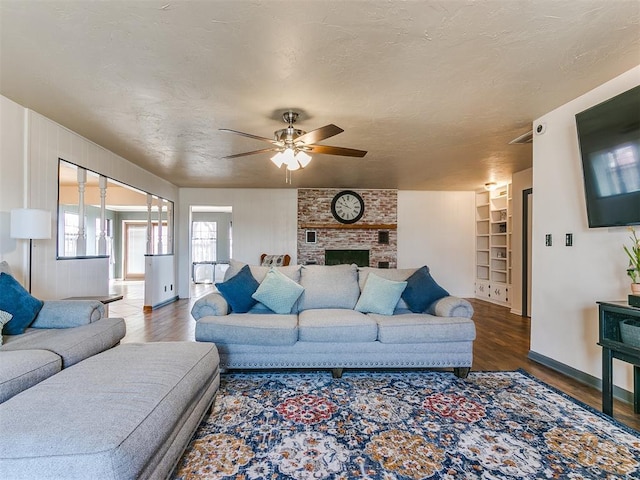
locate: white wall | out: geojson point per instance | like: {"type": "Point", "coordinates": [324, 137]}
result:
{"type": "Point", "coordinates": [437, 229]}
{"type": "Point", "coordinates": [264, 221]}
{"type": "Point", "coordinates": [567, 281]}
{"type": "Point", "coordinates": [29, 166]}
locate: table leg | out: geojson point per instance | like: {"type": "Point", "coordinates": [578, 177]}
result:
{"type": "Point", "coordinates": [636, 389]}
{"type": "Point", "coordinates": [607, 383]}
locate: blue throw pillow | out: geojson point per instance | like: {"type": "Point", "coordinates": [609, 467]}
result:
{"type": "Point", "coordinates": [19, 303]}
{"type": "Point", "coordinates": [238, 289]}
{"type": "Point", "coordinates": [380, 295]}
{"type": "Point", "coordinates": [278, 292]}
{"type": "Point", "coordinates": [422, 290]}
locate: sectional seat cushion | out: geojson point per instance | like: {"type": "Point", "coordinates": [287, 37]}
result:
{"type": "Point", "coordinates": [380, 295]}
{"type": "Point", "coordinates": [422, 290]}
{"type": "Point", "coordinates": [22, 369]}
{"type": "Point", "coordinates": [249, 328]}
{"type": "Point", "coordinates": [238, 290]}
{"type": "Point", "coordinates": [333, 286]}
{"type": "Point", "coordinates": [72, 344]}
{"type": "Point", "coordinates": [126, 413]}
{"type": "Point", "coordinates": [278, 292]}
{"type": "Point", "coordinates": [336, 326]}
{"type": "Point", "coordinates": [423, 328]}
{"type": "Point", "coordinates": [19, 303]}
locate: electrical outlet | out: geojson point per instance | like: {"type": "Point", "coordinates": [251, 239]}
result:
{"type": "Point", "coordinates": [547, 240]}
{"type": "Point", "coordinates": [568, 239]}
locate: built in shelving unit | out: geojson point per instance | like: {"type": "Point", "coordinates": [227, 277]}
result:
{"type": "Point", "coordinates": [493, 245]}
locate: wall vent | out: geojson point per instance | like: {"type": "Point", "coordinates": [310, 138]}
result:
{"type": "Point", "coordinates": [524, 138]}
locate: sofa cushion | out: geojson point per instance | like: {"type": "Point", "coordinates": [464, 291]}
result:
{"type": "Point", "coordinates": [380, 295]}
{"type": "Point", "coordinates": [238, 289]}
{"type": "Point", "coordinates": [22, 369]}
{"type": "Point", "coordinates": [334, 286]}
{"type": "Point", "coordinates": [19, 303]}
{"type": "Point", "coordinates": [259, 272]}
{"type": "Point", "coordinates": [72, 344]}
{"type": "Point", "coordinates": [278, 292]}
{"type": "Point", "coordinates": [423, 328]}
{"type": "Point", "coordinates": [249, 329]}
{"type": "Point", "coordinates": [114, 416]}
{"type": "Point", "coordinates": [336, 325]}
{"type": "Point", "coordinates": [422, 290]}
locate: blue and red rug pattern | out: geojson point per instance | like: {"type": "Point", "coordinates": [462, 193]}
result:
{"type": "Point", "coordinates": [404, 425]}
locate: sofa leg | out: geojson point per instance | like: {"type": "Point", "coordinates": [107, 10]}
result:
{"type": "Point", "coordinates": [461, 372]}
{"type": "Point", "coordinates": [336, 372]}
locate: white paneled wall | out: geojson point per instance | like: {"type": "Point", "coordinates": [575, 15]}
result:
{"type": "Point", "coordinates": [437, 229]}
{"type": "Point", "coordinates": [12, 182]}
{"type": "Point", "coordinates": [31, 147]}
{"type": "Point", "coordinates": [264, 220]}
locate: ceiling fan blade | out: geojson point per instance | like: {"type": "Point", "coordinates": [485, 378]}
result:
{"type": "Point", "coordinates": [248, 135]}
{"type": "Point", "coordinates": [264, 150]}
{"type": "Point", "coordinates": [346, 152]}
{"type": "Point", "coordinates": [319, 134]}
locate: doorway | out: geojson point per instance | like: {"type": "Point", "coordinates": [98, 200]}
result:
{"type": "Point", "coordinates": [135, 247]}
{"type": "Point", "coordinates": [210, 233]}
{"type": "Point", "coordinates": [527, 230]}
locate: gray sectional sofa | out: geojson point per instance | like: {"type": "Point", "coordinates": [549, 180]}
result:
{"type": "Point", "coordinates": [73, 407]}
{"type": "Point", "coordinates": [326, 328]}
{"type": "Point", "coordinates": [63, 334]}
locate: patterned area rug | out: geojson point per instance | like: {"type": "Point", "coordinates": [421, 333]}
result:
{"type": "Point", "coordinates": [408, 425]}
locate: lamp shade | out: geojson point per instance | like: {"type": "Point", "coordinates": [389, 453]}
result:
{"type": "Point", "coordinates": [30, 223]}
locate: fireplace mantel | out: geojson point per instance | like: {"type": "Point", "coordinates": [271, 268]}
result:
{"type": "Point", "coordinates": [352, 226]}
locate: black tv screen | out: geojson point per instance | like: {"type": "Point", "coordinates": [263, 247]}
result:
{"type": "Point", "coordinates": [609, 139]}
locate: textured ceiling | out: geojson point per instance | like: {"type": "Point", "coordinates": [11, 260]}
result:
{"type": "Point", "coordinates": [434, 90]}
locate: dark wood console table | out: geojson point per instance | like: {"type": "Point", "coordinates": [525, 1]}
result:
{"type": "Point", "coordinates": [610, 316]}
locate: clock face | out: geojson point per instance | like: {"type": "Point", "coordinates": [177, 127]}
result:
{"type": "Point", "coordinates": [347, 207]}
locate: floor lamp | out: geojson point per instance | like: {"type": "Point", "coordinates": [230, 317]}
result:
{"type": "Point", "coordinates": [32, 224]}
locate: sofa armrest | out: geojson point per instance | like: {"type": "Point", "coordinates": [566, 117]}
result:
{"type": "Point", "coordinates": [68, 313]}
{"type": "Point", "coordinates": [211, 304]}
{"type": "Point", "coordinates": [451, 306]}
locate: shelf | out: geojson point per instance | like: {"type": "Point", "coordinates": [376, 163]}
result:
{"type": "Point", "coordinates": [494, 229]}
{"type": "Point", "coordinates": [351, 226]}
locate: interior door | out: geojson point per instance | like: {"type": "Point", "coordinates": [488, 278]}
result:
{"type": "Point", "coordinates": [135, 246]}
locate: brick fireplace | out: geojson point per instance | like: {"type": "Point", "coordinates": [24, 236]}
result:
{"type": "Point", "coordinates": [376, 231]}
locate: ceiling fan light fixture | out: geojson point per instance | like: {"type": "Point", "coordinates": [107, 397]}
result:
{"type": "Point", "coordinates": [303, 158]}
{"type": "Point", "coordinates": [277, 159]}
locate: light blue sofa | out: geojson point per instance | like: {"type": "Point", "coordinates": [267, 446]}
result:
{"type": "Point", "coordinates": [324, 330]}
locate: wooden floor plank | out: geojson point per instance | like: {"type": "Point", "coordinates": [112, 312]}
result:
{"type": "Point", "coordinates": [502, 344]}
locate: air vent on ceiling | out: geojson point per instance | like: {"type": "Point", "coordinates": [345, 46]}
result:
{"type": "Point", "coordinates": [524, 138]}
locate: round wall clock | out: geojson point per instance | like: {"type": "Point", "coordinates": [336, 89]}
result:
{"type": "Point", "coordinates": [347, 207]}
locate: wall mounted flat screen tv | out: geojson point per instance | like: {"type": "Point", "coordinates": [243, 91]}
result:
{"type": "Point", "coordinates": [609, 139]}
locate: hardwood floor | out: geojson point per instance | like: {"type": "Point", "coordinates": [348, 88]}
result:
{"type": "Point", "coordinates": [502, 343]}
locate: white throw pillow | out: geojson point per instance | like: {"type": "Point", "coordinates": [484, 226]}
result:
{"type": "Point", "coordinates": [4, 318]}
{"type": "Point", "coordinates": [278, 292]}
{"type": "Point", "coordinates": [380, 295]}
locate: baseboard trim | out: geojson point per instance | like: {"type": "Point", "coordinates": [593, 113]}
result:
{"type": "Point", "coordinates": [148, 308]}
{"type": "Point", "coordinates": [582, 377]}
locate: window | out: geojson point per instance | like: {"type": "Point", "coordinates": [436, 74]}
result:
{"type": "Point", "coordinates": [71, 230]}
{"type": "Point", "coordinates": [204, 241]}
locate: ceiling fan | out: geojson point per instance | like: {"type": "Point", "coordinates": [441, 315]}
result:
{"type": "Point", "coordinates": [292, 146]}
